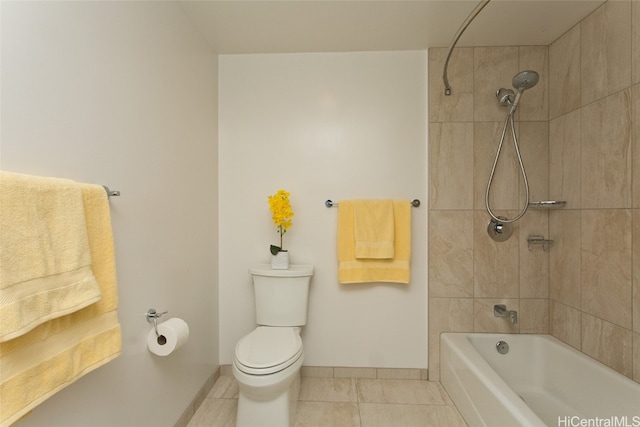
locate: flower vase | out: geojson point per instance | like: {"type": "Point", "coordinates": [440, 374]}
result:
{"type": "Point", "coordinates": [280, 261]}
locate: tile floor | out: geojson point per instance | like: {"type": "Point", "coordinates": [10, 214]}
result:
{"type": "Point", "coordinates": [337, 402]}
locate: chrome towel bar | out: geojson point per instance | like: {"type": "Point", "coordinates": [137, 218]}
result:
{"type": "Point", "coordinates": [111, 193]}
{"type": "Point", "coordinates": [329, 203]}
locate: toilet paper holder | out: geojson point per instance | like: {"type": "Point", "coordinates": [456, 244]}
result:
{"type": "Point", "coordinates": [153, 316]}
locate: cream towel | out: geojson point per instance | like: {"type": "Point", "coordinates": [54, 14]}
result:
{"type": "Point", "coordinates": [396, 270]}
{"type": "Point", "coordinates": [58, 352]}
{"type": "Point", "coordinates": [45, 263]}
{"type": "Point", "coordinates": [373, 229]}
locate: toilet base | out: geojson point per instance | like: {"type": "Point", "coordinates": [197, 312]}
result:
{"type": "Point", "coordinates": [270, 400]}
{"type": "Point", "coordinates": [280, 412]}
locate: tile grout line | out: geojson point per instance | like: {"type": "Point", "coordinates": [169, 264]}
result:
{"type": "Point", "coordinates": [361, 398]}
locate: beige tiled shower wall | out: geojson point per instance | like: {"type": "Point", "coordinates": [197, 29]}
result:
{"type": "Point", "coordinates": [468, 272]}
{"type": "Point", "coordinates": [594, 150]}
{"type": "Point", "coordinates": [579, 134]}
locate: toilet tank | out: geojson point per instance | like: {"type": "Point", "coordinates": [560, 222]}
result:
{"type": "Point", "coordinates": [282, 296]}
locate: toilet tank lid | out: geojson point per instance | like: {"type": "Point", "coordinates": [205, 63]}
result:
{"type": "Point", "coordinates": [294, 270]}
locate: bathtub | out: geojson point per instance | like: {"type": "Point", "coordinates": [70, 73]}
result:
{"type": "Point", "coordinates": [540, 382]}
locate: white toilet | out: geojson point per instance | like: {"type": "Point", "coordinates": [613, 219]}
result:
{"type": "Point", "coordinates": [267, 361]}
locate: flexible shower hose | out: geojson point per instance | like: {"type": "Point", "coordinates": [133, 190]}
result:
{"type": "Point", "coordinates": [508, 120]}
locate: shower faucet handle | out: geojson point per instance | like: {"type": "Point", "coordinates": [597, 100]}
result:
{"type": "Point", "coordinates": [500, 310]}
{"type": "Point", "coordinates": [499, 231]}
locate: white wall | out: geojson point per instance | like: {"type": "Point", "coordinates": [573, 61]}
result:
{"type": "Point", "coordinates": [338, 126]}
{"type": "Point", "coordinates": [125, 94]}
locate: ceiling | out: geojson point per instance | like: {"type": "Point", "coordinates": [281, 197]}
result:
{"type": "Point", "coordinates": [274, 26]}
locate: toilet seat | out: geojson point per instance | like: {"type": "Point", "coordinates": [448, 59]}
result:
{"type": "Point", "coordinates": [268, 350]}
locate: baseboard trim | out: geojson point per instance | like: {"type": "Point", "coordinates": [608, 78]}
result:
{"type": "Point", "coordinates": [198, 399]}
{"type": "Point", "coordinates": [354, 372]}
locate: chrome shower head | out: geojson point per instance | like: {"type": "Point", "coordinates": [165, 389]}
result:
{"type": "Point", "coordinates": [525, 80]}
{"type": "Point", "coordinates": [522, 81]}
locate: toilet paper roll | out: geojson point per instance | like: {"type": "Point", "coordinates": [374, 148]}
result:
{"type": "Point", "coordinates": [173, 334]}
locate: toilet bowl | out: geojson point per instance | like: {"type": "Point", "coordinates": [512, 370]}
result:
{"type": "Point", "coordinates": [267, 361]}
{"type": "Point", "coordinates": [266, 365]}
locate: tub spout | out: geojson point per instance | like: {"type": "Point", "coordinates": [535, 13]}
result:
{"type": "Point", "coordinates": [500, 310]}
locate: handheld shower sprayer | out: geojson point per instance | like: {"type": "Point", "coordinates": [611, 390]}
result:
{"type": "Point", "coordinates": [499, 228]}
{"type": "Point", "coordinates": [521, 82]}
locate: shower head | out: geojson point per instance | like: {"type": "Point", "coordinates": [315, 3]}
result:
{"type": "Point", "coordinates": [522, 81]}
{"type": "Point", "coordinates": [525, 80]}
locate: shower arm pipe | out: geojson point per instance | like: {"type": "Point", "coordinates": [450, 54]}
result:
{"type": "Point", "coordinates": [454, 41]}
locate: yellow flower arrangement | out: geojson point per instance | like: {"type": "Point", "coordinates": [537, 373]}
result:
{"type": "Point", "coordinates": [282, 214]}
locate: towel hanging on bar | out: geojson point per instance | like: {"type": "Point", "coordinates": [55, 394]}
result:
{"type": "Point", "coordinates": [373, 226]}
{"type": "Point", "coordinates": [354, 270]}
{"type": "Point", "coordinates": [45, 264]}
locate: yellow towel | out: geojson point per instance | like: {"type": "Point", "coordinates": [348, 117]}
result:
{"type": "Point", "coordinates": [396, 270]}
{"type": "Point", "coordinates": [45, 263]}
{"type": "Point", "coordinates": [58, 352]}
{"type": "Point", "coordinates": [373, 229]}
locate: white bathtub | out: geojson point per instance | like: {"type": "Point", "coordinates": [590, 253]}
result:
{"type": "Point", "coordinates": [540, 381]}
